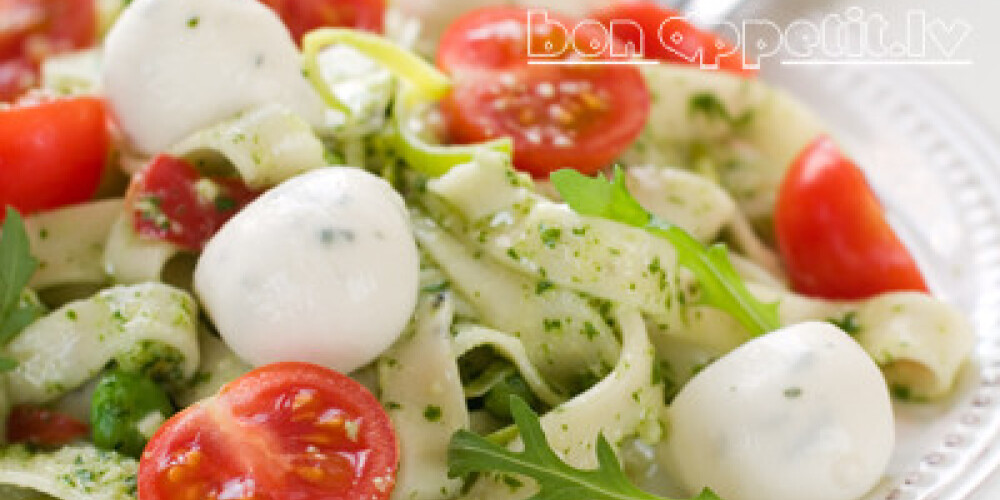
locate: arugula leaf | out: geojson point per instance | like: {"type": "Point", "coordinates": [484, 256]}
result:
{"type": "Point", "coordinates": [26, 312]}
{"type": "Point", "coordinates": [848, 323]}
{"type": "Point", "coordinates": [16, 268]}
{"type": "Point", "coordinates": [16, 263]}
{"type": "Point", "coordinates": [469, 453]}
{"type": "Point", "coordinates": [721, 285]}
{"type": "Point", "coordinates": [7, 364]}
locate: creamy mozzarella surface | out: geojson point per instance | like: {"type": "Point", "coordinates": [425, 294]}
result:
{"type": "Point", "coordinates": [172, 67]}
{"type": "Point", "coordinates": [323, 268]}
{"type": "Point", "coordinates": [802, 412]}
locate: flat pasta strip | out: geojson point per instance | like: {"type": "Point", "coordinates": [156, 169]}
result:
{"type": "Point", "coordinates": [764, 129]}
{"type": "Point", "coordinates": [265, 145]}
{"type": "Point", "coordinates": [74, 472]}
{"type": "Point", "coordinates": [69, 243]}
{"type": "Point", "coordinates": [565, 338]}
{"type": "Point", "coordinates": [422, 390]}
{"type": "Point", "coordinates": [625, 403]}
{"type": "Point", "coordinates": [691, 201]}
{"type": "Point", "coordinates": [920, 342]}
{"type": "Point", "coordinates": [149, 328]}
{"type": "Point", "coordinates": [130, 259]}
{"type": "Point", "coordinates": [548, 240]}
{"type": "Point", "coordinates": [469, 337]}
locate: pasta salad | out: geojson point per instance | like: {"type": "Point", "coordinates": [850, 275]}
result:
{"type": "Point", "coordinates": [343, 250]}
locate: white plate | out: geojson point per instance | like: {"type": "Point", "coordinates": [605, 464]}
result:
{"type": "Point", "coordinates": [937, 172]}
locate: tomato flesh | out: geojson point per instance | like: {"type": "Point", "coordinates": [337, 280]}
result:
{"type": "Point", "coordinates": [53, 153]}
{"type": "Point", "coordinates": [171, 201]}
{"type": "Point", "coordinates": [283, 431]}
{"type": "Point", "coordinates": [579, 115]}
{"type": "Point", "coordinates": [681, 41]}
{"type": "Point", "coordinates": [43, 427]}
{"type": "Point", "coordinates": [302, 17]}
{"type": "Point", "coordinates": [832, 232]}
{"type": "Point", "coordinates": [35, 29]}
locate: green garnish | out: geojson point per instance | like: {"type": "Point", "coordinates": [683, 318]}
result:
{"type": "Point", "coordinates": [711, 106]}
{"type": "Point", "coordinates": [469, 453]}
{"type": "Point", "coordinates": [721, 286]}
{"type": "Point", "coordinates": [848, 323]}
{"type": "Point", "coordinates": [16, 268]}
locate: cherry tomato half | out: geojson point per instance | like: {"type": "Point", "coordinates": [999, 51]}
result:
{"type": "Point", "coordinates": [30, 30]}
{"type": "Point", "coordinates": [53, 153]}
{"type": "Point", "coordinates": [171, 201]}
{"type": "Point", "coordinates": [579, 115]}
{"type": "Point", "coordinates": [679, 41]}
{"type": "Point", "coordinates": [303, 16]}
{"type": "Point", "coordinates": [282, 431]}
{"type": "Point", "coordinates": [832, 231]}
{"type": "Point", "coordinates": [42, 427]}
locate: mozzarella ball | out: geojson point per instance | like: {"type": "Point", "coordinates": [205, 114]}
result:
{"type": "Point", "coordinates": [802, 412]}
{"type": "Point", "coordinates": [323, 268]}
{"type": "Point", "coordinates": [172, 67]}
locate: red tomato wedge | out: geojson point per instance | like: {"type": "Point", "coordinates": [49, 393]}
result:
{"type": "Point", "coordinates": [171, 201]}
{"type": "Point", "coordinates": [303, 16]}
{"type": "Point", "coordinates": [30, 30]}
{"type": "Point", "coordinates": [283, 431]}
{"type": "Point", "coordinates": [42, 427]}
{"type": "Point", "coordinates": [53, 153]}
{"type": "Point", "coordinates": [574, 115]}
{"type": "Point", "coordinates": [666, 36]}
{"type": "Point", "coordinates": [832, 231]}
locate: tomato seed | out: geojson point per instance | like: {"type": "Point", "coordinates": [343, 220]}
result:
{"type": "Point", "coordinates": [311, 474]}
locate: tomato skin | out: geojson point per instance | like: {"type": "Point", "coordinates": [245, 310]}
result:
{"type": "Point", "coordinates": [832, 232]}
{"type": "Point", "coordinates": [53, 153]}
{"type": "Point", "coordinates": [166, 204]}
{"type": "Point", "coordinates": [576, 115]}
{"type": "Point", "coordinates": [40, 28]}
{"type": "Point", "coordinates": [650, 16]}
{"type": "Point", "coordinates": [279, 432]}
{"type": "Point", "coordinates": [303, 16]}
{"type": "Point", "coordinates": [42, 427]}
{"type": "Point", "coordinates": [17, 76]}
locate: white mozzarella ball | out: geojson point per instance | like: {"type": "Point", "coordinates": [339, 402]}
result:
{"type": "Point", "coordinates": [323, 268]}
{"type": "Point", "coordinates": [172, 67]}
{"type": "Point", "coordinates": [802, 412]}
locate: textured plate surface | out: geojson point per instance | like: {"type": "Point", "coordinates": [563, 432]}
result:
{"type": "Point", "coordinates": [938, 173]}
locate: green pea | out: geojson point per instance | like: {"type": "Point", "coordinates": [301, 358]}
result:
{"type": "Point", "coordinates": [124, 411]}
{"type": "Point", "coordinates": [497, 400]}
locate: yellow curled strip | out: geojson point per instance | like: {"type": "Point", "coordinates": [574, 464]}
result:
{"type": "Point", "coordinates": [421, 84]}
{"type": "Point", "coordinates": [428, 83]}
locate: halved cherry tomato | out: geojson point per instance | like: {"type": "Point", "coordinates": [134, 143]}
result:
{"type": "Point", "coordinates": [283, 431]}
{"type": "Point", "coordinates": [42, 427]}
{"type": "Point", "coordinates": [579, 115]}
{"type": "Point", "coordinates": [30, 30]}
{"type": "Point", "coordinates": [666, 36]}
{"type": "Point", "coordinates": [679, 41]}
{"type": "Point", "coordinates": [171, 201]}
{"type": "Point", "coordinates": [53, 153]}
{"type": "Point", "coordinates": [302, 16]}
{"type": "Point", "coordinates": [832, 231]}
